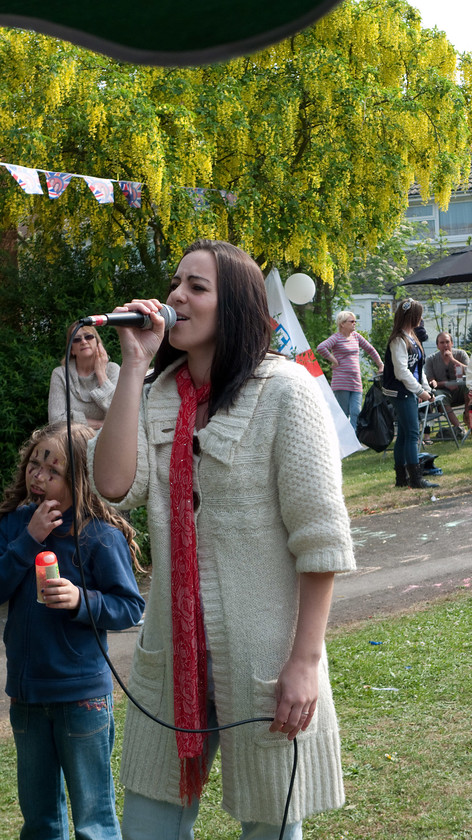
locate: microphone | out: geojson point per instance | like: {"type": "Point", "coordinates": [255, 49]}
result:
{"type": "Point", "coordinates": [130, 319]}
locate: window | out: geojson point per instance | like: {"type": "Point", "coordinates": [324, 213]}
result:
{"type": "Point", "coordinates": [425, 214]}
{"type": "Point", "coordinates": [458, 218]}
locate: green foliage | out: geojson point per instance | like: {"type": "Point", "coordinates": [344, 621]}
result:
{"type": "Point", "coordinates": [468, 341]}
{"type": "Point", "coordinates": [23, 406]}
{"type": "Point", "coordinates": [138, 519]}
{"type": "Point", "coordinates": [382, 324]}
{"type": "Point", "coordinates": [319, 137]}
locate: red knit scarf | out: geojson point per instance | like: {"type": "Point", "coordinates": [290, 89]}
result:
{"type": "Point", "coordinates": [190, 667]}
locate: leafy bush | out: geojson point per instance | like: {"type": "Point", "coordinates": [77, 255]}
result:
{"type": "Point", "coordinates": [38, 300]}
{"type": "Point", "coordinates": [138, 519]}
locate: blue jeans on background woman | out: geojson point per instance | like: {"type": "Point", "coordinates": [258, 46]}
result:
{"type": "Point", "coordinates": [405, 450]}
{"type": "Point", "coordinates": [351, 404]}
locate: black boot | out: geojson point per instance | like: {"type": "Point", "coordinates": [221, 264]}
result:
{"type": "Point", "coordinates": [402, 476]}
{"type": "Point", "coordinates": [415, 474]}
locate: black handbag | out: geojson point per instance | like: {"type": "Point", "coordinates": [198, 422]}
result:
{"type": "Point", "coordinates": [375, 424]}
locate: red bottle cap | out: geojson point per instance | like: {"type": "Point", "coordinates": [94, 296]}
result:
{"type": "Point", "coordinates": [45, 558]}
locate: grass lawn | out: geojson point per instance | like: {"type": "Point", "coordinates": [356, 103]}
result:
{"type": "Point", "coordinates": [404, 711]}
{"type": "Point", "coordinates": [369, 479]}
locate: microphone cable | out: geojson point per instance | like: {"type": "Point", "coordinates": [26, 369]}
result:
{"type": "Point", "coordinates": [120, 682]}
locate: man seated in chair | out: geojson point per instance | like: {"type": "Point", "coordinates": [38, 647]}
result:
{"type": "Point", "coordinates": [445, 371]}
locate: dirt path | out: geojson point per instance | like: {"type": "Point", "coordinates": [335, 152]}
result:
{"type": "Point", "coordinates": [405, 557]}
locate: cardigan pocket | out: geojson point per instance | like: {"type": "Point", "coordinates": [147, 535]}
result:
{"type": "Point", "coordinates": [264, 706]}
{"type": "Point", "coordinates": [147, 677]}
{"type": "Point", "coordinates": [161, 431]}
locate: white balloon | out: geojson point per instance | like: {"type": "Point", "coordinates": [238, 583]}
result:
{"type": "Point", "coordinates": [300, 288]}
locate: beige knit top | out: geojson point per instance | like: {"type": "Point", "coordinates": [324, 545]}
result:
{"type": "Point", "coordinates": [270, 505]}
{"type": "Point", "coordinates": [88, 398]}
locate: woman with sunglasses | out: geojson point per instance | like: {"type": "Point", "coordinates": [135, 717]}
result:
{"type": "Point", "coordinates": [92, 380]}
{"type": "Point", "coordinates": [405, 383]}
{"type": "Point", "coordinates": [342, 350]}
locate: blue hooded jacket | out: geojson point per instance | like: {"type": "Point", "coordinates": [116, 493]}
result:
{"type": "Point", "coordinates": [53, 655]}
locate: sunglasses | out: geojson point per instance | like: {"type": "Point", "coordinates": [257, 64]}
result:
{"type": "Point", "coordinates": [86, 337]}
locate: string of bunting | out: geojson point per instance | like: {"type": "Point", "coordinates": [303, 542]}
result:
{"type": "Point", "coordinates": [101, 188]}
{"type": "Point", "coordinates": [57, 183]}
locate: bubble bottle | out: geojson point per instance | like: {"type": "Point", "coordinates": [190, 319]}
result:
{"type": "Point", "coordinates": [46, 569]}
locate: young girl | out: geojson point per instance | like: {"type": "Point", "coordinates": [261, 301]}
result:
{"type": "Point", "coordinates": [239, 464]}
{"type": "Point", "coordinates": [58, 680]}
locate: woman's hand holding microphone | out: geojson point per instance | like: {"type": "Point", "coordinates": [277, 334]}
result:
{"type": "Point", "coordinates": [141, 345]}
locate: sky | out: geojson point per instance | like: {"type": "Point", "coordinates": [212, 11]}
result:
{"type": "Point", "coordinates": [454, 17]}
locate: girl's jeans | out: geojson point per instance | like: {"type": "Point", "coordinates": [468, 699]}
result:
{"type": "Point", "coordinates": [405, 450]}
{"type": "Point", "coordinates": [72, 741]}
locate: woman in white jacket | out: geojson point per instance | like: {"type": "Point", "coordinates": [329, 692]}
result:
{"type": "Point", "coordinates": [233, 452]}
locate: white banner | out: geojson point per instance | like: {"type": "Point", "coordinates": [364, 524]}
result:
{"type": "Point", "coordinates": [291, 342]}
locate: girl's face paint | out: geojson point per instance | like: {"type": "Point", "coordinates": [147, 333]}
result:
{"type": "Point", "coordinates": [46, 473]}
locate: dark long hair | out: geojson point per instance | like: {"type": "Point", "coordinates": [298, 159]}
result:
{"type": "Point", "coordinates": [243, 330]}
{"type": "Point", "coordinates": [407, 316]}
{"type": "Point", "coordinates": [89, 505]}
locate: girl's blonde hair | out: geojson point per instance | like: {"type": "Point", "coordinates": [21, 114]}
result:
{"type": "Point", "coordinates": [89, 505]}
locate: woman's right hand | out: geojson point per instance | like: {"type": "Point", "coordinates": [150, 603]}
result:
{"type": "Point", "coordinates": [425, 396]}
{"type": "Point", "coordinates": [334, 361]}
{"type": "Point", "coordinates": [138, 345]}
{"type": "Point", "coordinates": [101, 361]}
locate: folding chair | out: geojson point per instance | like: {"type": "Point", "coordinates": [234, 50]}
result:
{"type": "Point", "coordinates": [434, 411]}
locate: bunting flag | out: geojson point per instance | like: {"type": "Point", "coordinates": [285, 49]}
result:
{"type": "Point", "coordinates": [102, 189]}
{"type": "Point", "coordinates": [229, 198]}
{"type": "Point", "coordinates": [28, 179]}
{"type": "Point", "coordinates": [291, 342]}
{"type": "Point", "coordinates": [132, 192]}
{"type": "Point", "coordinates": [197, 194]}
{"type": "Point", "coordinates": [57, 183]}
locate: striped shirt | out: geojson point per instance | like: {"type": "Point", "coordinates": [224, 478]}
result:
{"type": "Point", "coordinates": [347, 376]}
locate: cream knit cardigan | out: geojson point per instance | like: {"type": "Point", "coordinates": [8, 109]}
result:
{"type": "Point", "coordinates": [88, 399]}
{"type": "Point", "coordinates": [270, 505]}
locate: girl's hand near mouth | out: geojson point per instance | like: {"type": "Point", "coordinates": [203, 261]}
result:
{"type": "Point", "coordinates": [46, 517]}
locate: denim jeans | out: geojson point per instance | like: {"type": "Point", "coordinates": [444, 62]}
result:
{"type": "Point", "coordinates": [149, 819]}
{"type": "Point", "coordinates": [405, 450]}
{"type": "Point", "coordinates": [71, 741]}
{"type": "Point", "coordinates": [351, 404]}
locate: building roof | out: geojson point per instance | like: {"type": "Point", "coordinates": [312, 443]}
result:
{"type": "Point", "coordinates": [414, 191]}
